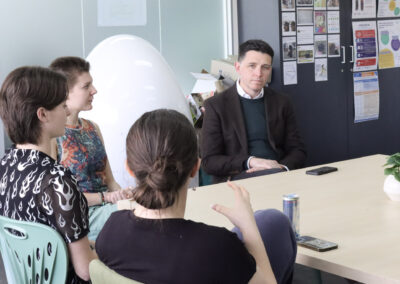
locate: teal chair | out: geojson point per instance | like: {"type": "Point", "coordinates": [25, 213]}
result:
{"type": "Point", "coordinates": [101, 274]}
{"type": "Point", "coordinates": [32, 252]}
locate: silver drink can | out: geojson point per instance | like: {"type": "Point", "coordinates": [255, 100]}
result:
{"type": "Point", "coordinates": [291, 210]}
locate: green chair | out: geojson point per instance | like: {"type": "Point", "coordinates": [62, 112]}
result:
{"type": "Point", "coordinates": [32, 252]}
{"type": "Point", "coordinates": [101, 274]}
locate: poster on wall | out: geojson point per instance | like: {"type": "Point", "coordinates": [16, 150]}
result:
{"type": "Point", "coordinates": [388, 8]}
{"type": "Point", "coordinates": [334, 45]}
{"type": "Point", "coordinates": [365, 46]}
{"type": "Point", "coordinates": [289, 50]}
{"type": "Point", "coordinates": [320, 26]}
{"type": "Point", "coordinates": [332, 4]}
{"type": "Point", "coordinates": [320, 46]}
{"type": "Point", "coordinates": [115, 13]}
{"type": "Point", "coordinates": [366, 96]}
{"type": "Point", "coordinates": [305, 2]}
{"type": "Point", "coordinates": [333, 22]}
{"type": "Point", "coordinates": [289, 73]}
{"type": "Point", "coordinates": [288, 24]}
{"type": "Point", "coordinates": [362, 9]}
{"type": "Point", "coordinates": [321, 69]}
{"type": "Point", "coordinates": [305, 16]}
{"type": "Point", "coordinates": [319, 4]}
{"type": "Point", "coordinates": [389, 43]}
{"type": "Point", "coordinates": [305, 53]}
{"type": "Point", "coordinates": [305, 35]}
{"type": "Point", "coordinates": [288, 5]}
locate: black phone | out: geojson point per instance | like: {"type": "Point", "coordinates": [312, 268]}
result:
{"type": "Point", "coordinates": [321, 171]}
{"type": "Point", "coordinates": [316, 244]}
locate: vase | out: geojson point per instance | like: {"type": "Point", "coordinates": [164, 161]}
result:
{"type": "Point", "coordinates": [391, 187]}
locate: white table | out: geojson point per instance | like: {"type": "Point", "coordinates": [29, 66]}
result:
{"type": "Point", "coordinates": [347, 207]}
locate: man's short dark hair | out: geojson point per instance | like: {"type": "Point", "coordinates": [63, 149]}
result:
{"type": "Point", "coordinates": [256, 45]}
{"type": "Point", "coordinates": [71, 67]}
{"type": "Point", "coordinates": [23, 92]}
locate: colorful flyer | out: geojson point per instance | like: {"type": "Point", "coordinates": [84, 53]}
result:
{"type": "Point", "coordinates": [388, 8]}
{"type": "Point", "coordinates": [321, 69]}
{"type": "Point", "coordinates": [389, 43]}
{"type": "Point", "coordinates": [290, 73]}
{"type": "Point", "coordinates": [319, 4]}
{"type": "Point", "coordinates": [365, 46]}
{"type": "Point", "coordinates": [305, 54]}
{"type": "Point", "coordinates": [289, 24]}
{"type": "Point", "coordinates": [320, 46]}
{"type": "Point", "coordinates": [289, 50]}
{"type": "Point", "coordinates": [334, 45]}
{"type": "Point", "coordinates": [362, 9]}
{"type": "Point", "coordinates": [320, 26]}
{"type": "Point", "coordinates": [288, 5]}
{"type": "Point", "coordinates": [333, 22]}
{"type": "Point", "coordinates": [366, 96]}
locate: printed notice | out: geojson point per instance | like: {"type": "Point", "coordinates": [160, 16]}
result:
{"type": "Point", "coordinates": [365, 46]}
{"type": "Point", "coordinates": [321, 69]}
{"type": "Point", "coordinates": [290, 73]}
{"type": "Point", "coordinates": [287, 5]}
{"type": "Point", "coordinates": [388, 8]}
{"type": "Point", "coordinates": [364, 9]}
{"type": "Point", "coordinates": [389, 43]}
{"type": "Point", "coordinates": [305, 35]}
{"type": "Point", "coordinates": [333, 22]}
{"type": "Point", "coordinates": [320, 5]}
{"type": "Point", "coordinates": [333, 45]}
{"type": "Point", "coordinates": [289, 48]}
{"type": "Point", "coordinates": [366, 96]}
{"type": "Point", "coordinates": [321, 46]}
{"type": "Point", "coordinates": [113, 13]}
{"type": "Point", "coordinates": [305, 53]}
{"type": "Point", "coordinates": [288, 24]}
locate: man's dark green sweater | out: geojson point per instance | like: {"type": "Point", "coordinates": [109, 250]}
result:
{"type": "Point", "coordinates": [256, 127]}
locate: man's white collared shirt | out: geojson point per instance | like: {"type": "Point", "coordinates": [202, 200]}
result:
{"type": "Point", "coordinates": [243, 94]}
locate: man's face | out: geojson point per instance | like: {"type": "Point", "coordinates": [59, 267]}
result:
{"type": "Point", "coordinates": [254, 71]}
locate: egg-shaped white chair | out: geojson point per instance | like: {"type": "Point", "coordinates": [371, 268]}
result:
{"type": "Point", "coordinates": [131, 78]}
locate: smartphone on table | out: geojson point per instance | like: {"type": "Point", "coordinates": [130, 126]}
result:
{"type": "Point", "coordinates": [316, 244]}
{"type": "Point", "coordinates": [321, 171]}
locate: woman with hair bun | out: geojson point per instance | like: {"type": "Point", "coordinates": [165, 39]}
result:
{"type": "Point", "coordinates": [155, 244]}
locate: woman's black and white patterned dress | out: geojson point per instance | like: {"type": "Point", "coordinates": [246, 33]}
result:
{"type": "Point", "coordinates": [33, 187]}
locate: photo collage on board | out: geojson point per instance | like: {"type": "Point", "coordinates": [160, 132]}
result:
{"type": "Point", "coordinates": [310, 32]}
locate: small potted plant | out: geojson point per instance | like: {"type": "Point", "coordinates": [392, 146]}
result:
{"type": "Point", "coordinates": [392, 181]}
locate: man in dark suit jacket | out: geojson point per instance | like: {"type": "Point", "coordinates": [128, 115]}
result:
{"type": "Point", "coordinates": [250, 128]}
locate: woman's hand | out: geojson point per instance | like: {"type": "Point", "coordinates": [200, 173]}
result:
{"type": "Point", "coordinates": [116, 195]}
{"type": "Point", "coordinates": [241, 215]}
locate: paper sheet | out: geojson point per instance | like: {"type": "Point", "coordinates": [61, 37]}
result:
{"type": "Point", "coordinates": [112, 13]}
{"type": "Point", "coordinates": [289, 73]}
{"type": "Point", "coordinates": [388, 8]}
{"type": "Point", "coordinates": [365, 46]}
{"type": "Point", "coordinates": [362, 9]}
{"type": "Point", "coordinates": [366, 96]}
{"type": "Point", "coordinates": [389, 43]}
{"type": "Point", "coordinates": [333, 22]}
{"type": "Point", "coordinates": [305, 35]}
{"type": "Point", "coordinates": [321, 69]}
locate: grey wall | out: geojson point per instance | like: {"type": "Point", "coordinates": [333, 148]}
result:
{"type": "Point", "coordinates": [259, 19]}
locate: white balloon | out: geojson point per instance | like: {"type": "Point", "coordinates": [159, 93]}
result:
{"type": "Point", "coordinates": [131, 78]}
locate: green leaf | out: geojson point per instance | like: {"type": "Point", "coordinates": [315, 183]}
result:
{"type": "Point", "coordinates": [397, 176]}
{"type": "Point", "coordinates": [389, 171]}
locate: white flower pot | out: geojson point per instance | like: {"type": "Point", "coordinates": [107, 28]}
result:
{"type": "Point", "coordinates": [392, 188]}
